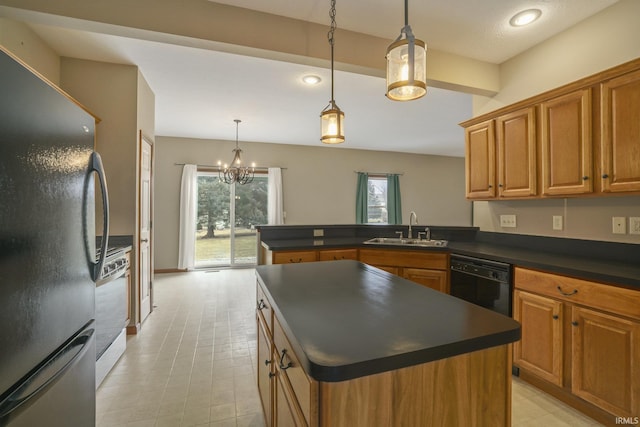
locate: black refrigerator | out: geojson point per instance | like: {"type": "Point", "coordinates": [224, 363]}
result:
{"type": "Point", "coordinates": [49, 178]}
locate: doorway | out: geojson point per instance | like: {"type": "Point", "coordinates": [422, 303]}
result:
{"type": "Point", "coordinates": [226, 218]}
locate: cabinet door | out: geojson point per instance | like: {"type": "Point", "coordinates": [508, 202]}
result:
{"type": "Point", "coordinates": [566, 144]}
{"type": "Point", "coordinates": [540, 348]}
{"type": "Point", "coordinates": [620, 127]}
{"type": "Point", "coordinates": [605, 369]}
{"type": "Point", "coordinates": [294, 257]}
{"type": "Point", "coordinates": [287, 413]}
{"type": "Point", "coordinates": [434, 279]}
{"type": "Point", "coordinates": [337, 254]}
{"type": "Point", "coordinates": [265, 373]}
{"type": "Point", "coordinates": [480, 160]}
{"type": "Point", "coordinates": [516, 136]}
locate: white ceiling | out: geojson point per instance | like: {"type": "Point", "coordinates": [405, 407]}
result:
{"type": "Point", "coordinates": [199, 92]}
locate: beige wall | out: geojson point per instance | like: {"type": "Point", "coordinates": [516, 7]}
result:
{"type": "Point", "coordinates": [110, 91]}
{"type": "Point", "coordinates": [319, 184]}
{"type": "Point", "coordinates": [26, 45]}
{"type": "Point", "coordinates": [603, 41]}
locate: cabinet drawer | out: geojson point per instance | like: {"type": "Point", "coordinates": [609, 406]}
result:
{"type": "Point", "coordinates": [294, 257]}
{"type": "Point", "coordinates": [264, 309]}
{"type": "Point", "coordinates": [432, 260]}
{"type": "Point", "coordinates": [304, 389]}
{"type": "Point", "coordinates": [331, 255]}
{"type": "Point", "coordinates": [622, 301]}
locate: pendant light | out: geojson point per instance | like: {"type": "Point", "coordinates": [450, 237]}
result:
{"type": "Point", "coordinates": [236, 172]}
{"type": "Point", "coordinates": [332, 118]}
{"type": "Point", "coordinates": [406, 65]}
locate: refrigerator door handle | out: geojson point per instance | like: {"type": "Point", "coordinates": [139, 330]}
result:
{"type": "Point", "coordinates": [38, 382]}
{"type": "Point", "coordinates": [96, 166]}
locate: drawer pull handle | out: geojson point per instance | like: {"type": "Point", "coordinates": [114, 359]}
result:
{"type": "Point", "coordinates": [261, 305]}
{"type": "Point", "coordinates": [574, 323]}
{"type": "Point", "coordinates": [294, 261]}
{"type": "Point", "coordinates": [282, 365]}
{"type": "Point", "coordinates": [605, 176]}
{"type": "Point", "coordinates": [575, 291]}
{"type": "Point", "coordinates": [555, 317]}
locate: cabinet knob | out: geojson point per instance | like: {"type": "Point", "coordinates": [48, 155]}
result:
{"type": "Point", "coordinates": [500, 185]}
{"type": "Point", "coordinates": [490, 186]}
{"type": "Point", "coordinates": [584, 178]}
{"type": "Point", "coordinates": [261, 305]}
{"type": "Point", "coordinates": [267, 362]}
{"type": "Point", "coordinates": [555, 317]}
{"type": "Point", "coordinates": [605, 176]}
{"type": "Point", "coordinates": [574, 323]}
{"type": "Point", "coordinates": [272, 374]}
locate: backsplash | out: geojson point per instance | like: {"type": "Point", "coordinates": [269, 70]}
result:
{"type": "Point", "coordinates": [582, 218]}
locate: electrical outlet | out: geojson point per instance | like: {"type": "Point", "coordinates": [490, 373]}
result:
{"type": "Point", "coordinates": [318, 232]}
{"type": "Point", "coordinates": [508, 221]}
{"type": "Point", "coordinates": [557, 222]}
{"type": "Point", "coordinates": [634, 225]}
{"type": "Point", "coordinates": [619, 225]}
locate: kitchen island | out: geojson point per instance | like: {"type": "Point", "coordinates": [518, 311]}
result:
{"type": "Point", "coordinates": [344, 343]}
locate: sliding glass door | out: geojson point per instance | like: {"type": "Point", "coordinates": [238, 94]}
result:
{"type": "Point", "coordinates": [227, 216]}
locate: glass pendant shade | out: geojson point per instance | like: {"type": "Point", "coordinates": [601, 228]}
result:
{"type": "Point", "coordinates": [332, 125]}
{"type": "Point", "coordinates": [406, 70]}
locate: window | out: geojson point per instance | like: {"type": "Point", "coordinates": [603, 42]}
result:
{"type": "Point", "coordinates": [377, 200]}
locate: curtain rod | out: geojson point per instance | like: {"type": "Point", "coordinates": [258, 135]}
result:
{"type": "Point", "coordinates": [216, 166]}
{"type": "Point", "coordinates": [380, 173]}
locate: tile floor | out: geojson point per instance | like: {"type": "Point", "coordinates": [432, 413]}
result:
{"type": "Point", "coordinates": [193, 362]}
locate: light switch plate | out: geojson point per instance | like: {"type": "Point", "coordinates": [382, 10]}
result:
{"type": "Point", "coordinates": [508, 221]}
{"type": "Point", "coordinates": [557, 222]}
{"type": "Point", "coordinates": [619, 225]}
{"type": "Point", "coordinates": [318, 232]}
{"type": "Point", "coordinates": [634, 225]}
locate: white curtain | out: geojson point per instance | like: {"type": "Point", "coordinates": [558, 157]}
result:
{"type": "Point", "coordinates": [274, 197]}
{"type": "Point", "coordinates": [188, 210]}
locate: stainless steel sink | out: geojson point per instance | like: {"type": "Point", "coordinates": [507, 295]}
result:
{"type": "Point", "coordinates": [406, 242]}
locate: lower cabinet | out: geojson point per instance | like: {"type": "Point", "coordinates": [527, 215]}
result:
{"type": "Point", "coordinates": [428, 268]}
{"type": "Point", "coordinates": [582, 337]}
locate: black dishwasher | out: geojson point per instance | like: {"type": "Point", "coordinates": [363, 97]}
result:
{"type": "Point", "coordinates": [482, 282]}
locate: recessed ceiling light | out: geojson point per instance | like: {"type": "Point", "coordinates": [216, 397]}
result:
{"type": "Point", "coordinates": [525, 17]}
{"type": "Point", "coordinates": [311, 79]}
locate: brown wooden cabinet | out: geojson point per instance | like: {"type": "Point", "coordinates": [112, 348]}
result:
{"type": "Point", "coordinates": [337, 254]}
{"type": "Point", "coordinates": [620, 134]}
{"type": "Point", "coordinates": [580, 139]}
{"type": "Point", "coordinates": [286, 257]}
{"type": "Point", "coordinates": [590, 329]}
{"type": "Point", "coordinates": [430, 269]}
{"type": "Point", "coordinates": [480, 160]}
{"type": "Point", "coordinates": [566, 161]}
{"type": "Point", "coordinates": [516, 139]}
{"type": "Point", "coordinates": [540, 349]}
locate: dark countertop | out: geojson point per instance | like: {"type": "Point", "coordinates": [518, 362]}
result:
{"type": "Point", "coordinates": [346, 319]}
{"type": "Point", "coordinates": [543, 256]}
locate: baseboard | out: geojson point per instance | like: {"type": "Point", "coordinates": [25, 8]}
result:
{"type": "Point", "coordinates": [133, 329]}
{"type": "Point", "coordinates": [170, 270]}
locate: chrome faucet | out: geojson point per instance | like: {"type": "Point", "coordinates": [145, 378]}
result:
{"type": "Point", "coordinates": [413, 216]}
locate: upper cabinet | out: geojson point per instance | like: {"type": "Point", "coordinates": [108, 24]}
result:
{"type": "Point", "coordinates": [501, 156]}
{"type": "Point", "coordinates": [516, 137]}
{"type": "Point", "coordinates": [620, 134]}
{"type": "Point", "coordinates": [480, 160]}
{"type": "Point", "coordinates": [580, 139]}
{"type": "Point", "coordinates": [567, 166]}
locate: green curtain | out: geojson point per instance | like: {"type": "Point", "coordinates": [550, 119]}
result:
{"type": "Point", "coordinates": [362, 190]}
{"type": "Point", "coordinates": [394, 203]}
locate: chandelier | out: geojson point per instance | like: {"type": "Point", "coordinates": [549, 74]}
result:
{"type": "Point", "coordinates": [236, 173]}
{"type": "Point", "coordinates": [406, 65]}
{"type": "Point", "coordinates": [332, 118]}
